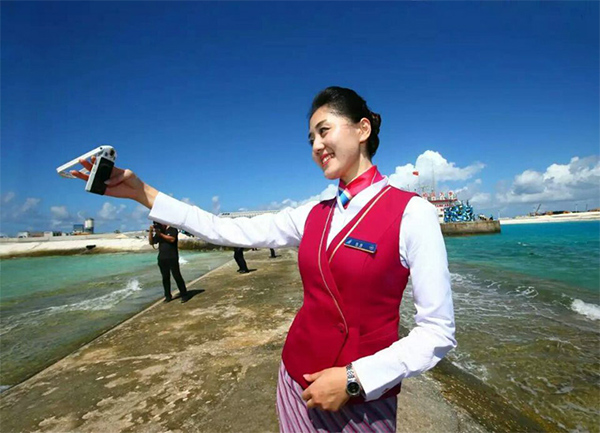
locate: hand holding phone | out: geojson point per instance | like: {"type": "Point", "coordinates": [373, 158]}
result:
{"type": "Point", "coordinates": [103, 158]}
{"type": "Point", "coordinates": [121, 183]}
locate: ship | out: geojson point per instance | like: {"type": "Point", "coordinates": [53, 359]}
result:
{"type": "Point", "coordinates": [441, 201]}
{"type": "Point", "coordinates": [457, 218]}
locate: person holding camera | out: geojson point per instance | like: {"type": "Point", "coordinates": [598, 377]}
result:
{"type": "Point", "coordinates": [168, 258]}
{"type": "Point", "coordinates": [343, 361]}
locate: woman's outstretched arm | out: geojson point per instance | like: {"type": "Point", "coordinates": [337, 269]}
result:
{"type": "Point", "coordinates": [283, 229]}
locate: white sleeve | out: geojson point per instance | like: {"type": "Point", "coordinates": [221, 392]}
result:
{"type": "Point", "coordinates": [423, 250]}
{"type": "Point", "coordinates": [282, 229]}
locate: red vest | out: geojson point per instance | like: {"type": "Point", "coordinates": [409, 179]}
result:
{"type": "Point", "coordinates": [351, 297]}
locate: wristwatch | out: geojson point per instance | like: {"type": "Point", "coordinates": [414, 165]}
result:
{"type": "Point", "coordinates": [352, 386]}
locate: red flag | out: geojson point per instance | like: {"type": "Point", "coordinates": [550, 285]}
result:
{"type": "Point", "coordinates": [416, 173]}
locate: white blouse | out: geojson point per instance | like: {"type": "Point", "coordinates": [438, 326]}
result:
{"type": "Point", "coordinates": [422, 250]}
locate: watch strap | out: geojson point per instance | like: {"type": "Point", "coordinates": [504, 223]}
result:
{"type": "Point", "coordinates": [353, 387]}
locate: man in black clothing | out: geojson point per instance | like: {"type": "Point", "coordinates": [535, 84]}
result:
{"type": "Point", "coordinates": [238, 255]}
{"type": "Point", "coordinates": [168, 258]}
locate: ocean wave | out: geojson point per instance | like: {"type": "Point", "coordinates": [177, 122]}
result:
{"type": "Point", "coordinates": [464, 361]}
{"type": "Point", "coordinates": [525, 291]}
{"type": "Point", "coordinates": [182, 261]}
{"type": "Point", "coordinates": [105, 302]}
{"type": "Point", "coordinates": [591, 311]}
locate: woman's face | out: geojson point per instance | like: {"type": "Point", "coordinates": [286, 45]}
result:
{"type": "Point", "coordinates": [335, 144]}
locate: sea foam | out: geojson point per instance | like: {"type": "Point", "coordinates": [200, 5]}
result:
{"type": "Point", "coordinates": [591, 311]}
{"type": "Point", "coordinates": [105, 302]}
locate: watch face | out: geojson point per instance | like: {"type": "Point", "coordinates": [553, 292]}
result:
{"type": "Point", "coordinates": [353, 388]}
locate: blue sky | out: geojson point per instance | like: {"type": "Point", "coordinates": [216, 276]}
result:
{"type": "Point", "coordinates": [208, 101]}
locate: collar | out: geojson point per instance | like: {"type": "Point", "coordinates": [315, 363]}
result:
{"type": "Point", "coordinates": [347, 192]}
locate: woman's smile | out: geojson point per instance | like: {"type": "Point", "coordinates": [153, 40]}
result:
{"type": "Point", "coordinates": [325, 158]}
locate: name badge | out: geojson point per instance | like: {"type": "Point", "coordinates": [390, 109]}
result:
{"type": "Point", "coordinates": [365, 246]}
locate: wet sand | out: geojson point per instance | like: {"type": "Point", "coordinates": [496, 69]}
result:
{"type": "Point", "coordinates": [209, 365]}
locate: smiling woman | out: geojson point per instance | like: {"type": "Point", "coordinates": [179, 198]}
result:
{"type": "Point", "coordinates": [342, 363]}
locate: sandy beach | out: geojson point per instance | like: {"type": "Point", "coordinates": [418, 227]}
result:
{"type": "Point", "coordinates": [11, 247]}
{"type": "Point", "coordinates": [566, 217]}
{"type": "Point", "coordinates": [209, 365]}
{"type": "Point", "coordinates": [98, 243]}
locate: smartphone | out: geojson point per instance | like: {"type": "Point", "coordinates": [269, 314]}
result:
{"type": "Point", "coordinates": [100, 173]}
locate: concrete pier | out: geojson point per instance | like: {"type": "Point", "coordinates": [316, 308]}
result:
{"type": "Point", "coordinates": [209, 365]}
{"type": "Point", "coordinates": [470, 228]}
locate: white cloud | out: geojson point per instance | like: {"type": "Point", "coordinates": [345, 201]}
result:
{"type": "Point", "coordinates": [188, 200]}
{"type": "Point", "coordinates": [60, 217]}
{"type": "Point", "coordinates": [288, 202]}
{"type": "Point", "coordinates": [110, 212]}
{"type": "Point", "coordinates": [432, 167]}
{"type": "Point", "coordinates": [472, 193]}
{"type": "Point", "coordinates": [6, 198]}
{"type": "Point", "coordinates": [577, 180]}
{"type": "Point", "coordinates": [30, 203]}
{"type": "Point", "coordinates": [481, 199]}
{"type": "Point", "coordinates": [216, 205]}
{"type": "Point", "coordinates": [59, 212]}
{"type": "Point", "coordinates": [140, 214]}
{"type": "Point", "coordinates": [329, 192]}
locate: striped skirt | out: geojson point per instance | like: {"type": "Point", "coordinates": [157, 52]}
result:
{"type": "Point", "coordinates": [295, 417]}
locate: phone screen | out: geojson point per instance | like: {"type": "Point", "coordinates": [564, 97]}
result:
{"type": "Point", "coordinates": [102, 174]}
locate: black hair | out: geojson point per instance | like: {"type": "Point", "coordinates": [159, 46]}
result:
{"type": "Point", "coordinates": [348, 103]}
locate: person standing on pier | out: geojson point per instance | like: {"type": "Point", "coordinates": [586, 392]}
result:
{"type": "Point", "coordinates": [168, 258]}
{"type": "Point", "coordinates": [342, 362]}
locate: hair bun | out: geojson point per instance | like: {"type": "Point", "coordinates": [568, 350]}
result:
{"type": "Point", "coordinates": [376, 122]}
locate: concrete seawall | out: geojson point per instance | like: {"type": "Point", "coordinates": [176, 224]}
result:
{"type": "Point", "coordinates": [471, 228]}
{"type": "Point", "coordinates": [209, 365]}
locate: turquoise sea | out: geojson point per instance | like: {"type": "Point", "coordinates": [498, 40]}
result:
{"type": "Point", "coordinates": [50, 306]}
{"type": "Point", "coordinates": [527, 305]}
{"type": "Point", "coordinates": [527, 309]}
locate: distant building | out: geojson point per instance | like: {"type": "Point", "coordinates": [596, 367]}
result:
{"type": "Point", "coordinates": [89, 226]}
{"type": "Point", "coordinates": [23, 234]}
{"type": "Point", "coordinates": [77, 229]}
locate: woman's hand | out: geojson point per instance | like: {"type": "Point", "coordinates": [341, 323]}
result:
{"type": "Point", "coordinates": [122, 184]}
{"type": "Point", "coordinates": [327, 389]}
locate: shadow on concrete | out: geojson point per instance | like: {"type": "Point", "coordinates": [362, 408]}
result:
{"type": "Point", "coordinates": [248, 271]}
{"type": "Point", "coordinates": [191, 293]}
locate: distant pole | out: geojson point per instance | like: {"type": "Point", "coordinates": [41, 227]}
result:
{"type": "Point", "coordinates": [575, 207]}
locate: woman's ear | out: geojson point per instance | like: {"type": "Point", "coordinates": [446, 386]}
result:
{"type": "Point", "coordinates": [365, 129]}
